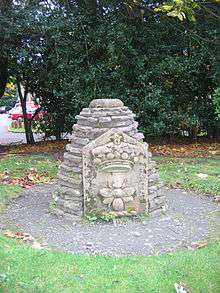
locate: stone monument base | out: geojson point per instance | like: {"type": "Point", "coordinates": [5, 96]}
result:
{"type": "Point", "coordinates": [107, 168]}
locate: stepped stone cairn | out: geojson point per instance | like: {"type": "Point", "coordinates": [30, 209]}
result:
{"type": "Point", "coordinates": [107, 168]}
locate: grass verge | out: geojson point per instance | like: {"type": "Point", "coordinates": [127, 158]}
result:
{"type": "Point", "coordinates": [45, 271]}
{"type": "Point", "coordinates": [175, 172]}
{"type": "Point", "coordinates": [198, 174]}
{"type": "Point", "coordinates": [17, 167]}
{"type": "Point", "coordinates": [7, 193]}
{"type": "Point", "coordinates": [19, 130]}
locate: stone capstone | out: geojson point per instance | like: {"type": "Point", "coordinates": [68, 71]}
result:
{"type": "Point", "coordinates": [106, 103]}
{"type": "Point", "coordinates": [107, 167]}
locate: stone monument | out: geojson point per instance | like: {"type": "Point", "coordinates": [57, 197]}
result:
{"type": "Point", "coordinates": [107, 167]}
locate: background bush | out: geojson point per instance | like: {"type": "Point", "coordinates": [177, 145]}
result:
{"type": "Point", "coordinates": [165, 70]}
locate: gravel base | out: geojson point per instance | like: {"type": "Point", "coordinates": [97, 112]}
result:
{"type": "Point", "coordinates": [190, 218]}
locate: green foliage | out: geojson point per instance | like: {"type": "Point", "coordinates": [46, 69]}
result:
{"type": "Point", "coordinates": [181, 9]}
{"type": "Point", "coordinates": [9, 97]}
{"type": "Point", "coordinates": [164, 69]}
{"type": "Point", "coordinates": [7, 101]}
{"type": "Point", "coordinates": [216, 102]}
{"type": "Point", "coordinates": [184, 9]}
{"type": "Point", "coordinates": [100, 215]}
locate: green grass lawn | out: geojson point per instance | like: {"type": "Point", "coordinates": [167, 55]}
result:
{"type": "Point", "coordinates": [24, 269]}
{"type": "Point", "coordinates": [19, 166]}
{"type": "Point", "coordinates": [8, 192]}
{"type": "Point", "coordinates": [185, 173]}
{"type": "Point", "coordinates": [175, 172]}
{"type": "Point", "coordinates": [20, 130]}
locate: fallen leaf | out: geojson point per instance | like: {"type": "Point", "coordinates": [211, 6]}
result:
{"type": "Point", "coordinates": [202, 175]}
{"type": "Point", "coordinates": [24, 237]}
{"type": "Point", "coordinates": [18, 235]}
{"type": "Point", "coordinates": [200, 244]}
{"type": "Point", "coordinates": [182, 288]}
{"type": "Point", "coordinates": [30, 177]}
{"type": "Point", "coordinates": [216, 199]}
{"type": "Point", "coordinates": [36, 245]}
{"type": "Point", "coordinates": [9, 234]}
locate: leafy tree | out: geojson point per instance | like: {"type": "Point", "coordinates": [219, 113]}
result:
{"type": "Point", "coordinates": [71, 52]}
{"type": "Point", "coordinates": [4, 6]}
{"type": "Point", "coordinates": [20, 31]}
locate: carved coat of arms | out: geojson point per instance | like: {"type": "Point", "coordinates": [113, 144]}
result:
{"type": "Point", "coordinates": [115, 174]}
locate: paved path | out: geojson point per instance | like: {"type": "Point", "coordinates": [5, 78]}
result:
{"type": "Point", "coordinates": [7, 137]}
{"type": "Point", "coordinates": [190, 218]}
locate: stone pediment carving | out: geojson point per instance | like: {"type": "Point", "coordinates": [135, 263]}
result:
{"type": "Point", "coordinates": [115, 174]}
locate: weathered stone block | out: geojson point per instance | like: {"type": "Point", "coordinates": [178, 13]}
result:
{"type": "Point", "coordinates": [81, 128]}
{"type": "Point", "coordinates": [75, 193]}
{"type": "Point", "coordinates": [79, 140]}
{"type": "Point", "coordinates": [139, 136]}
{"type": "Point", "coordinates": [73, 150]}
{"type": "Point", "coordinates": [105, 119]}
{"type": "Point", "coordinates": [72, 158]}
{"type": "Point", "coordinates": [120, 124]}
{"type": "Point", "coordinates": [72, 205]}
{"type": "Point", "coordinates": [122, 118]}
{"type": "Point", "coordinates": [89, 120]}
{"type": "Point", "coordinates": [72, 180]}
{"type": "Point", "coordinates": [85, 112]}
{"type": "Point", "coordinates": [106, 103]}
{"type": "Point", "coordinates": [67, 183]}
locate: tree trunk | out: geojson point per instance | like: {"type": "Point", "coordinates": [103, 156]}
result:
{"type": "Point", "coordinates": [58, 130]}
{"type": "Point", "coordinates": [3, 75]}
{"type": "Point", "coordinates": [214, 131]}
{"type": "Point", "coordinates": [27, 122]}
{"type": "Point", "coordinates": [217, 131]}
{"type": "Point", "coordinates": [58, 135]}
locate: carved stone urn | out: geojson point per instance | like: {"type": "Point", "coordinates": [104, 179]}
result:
{"type": "Point", "coordinates": [107, 167]}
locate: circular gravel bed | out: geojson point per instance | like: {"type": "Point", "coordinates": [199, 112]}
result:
{"type": "Point", "coordinates": [190, 218]}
